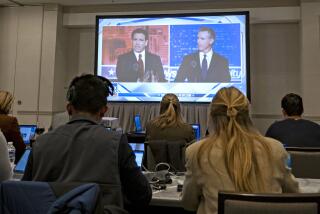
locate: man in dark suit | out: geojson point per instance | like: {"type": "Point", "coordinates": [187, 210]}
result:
{"type": "Point", "coordinates": [139, 65]}
{"type": "Point", "coordinates": [204, 65]}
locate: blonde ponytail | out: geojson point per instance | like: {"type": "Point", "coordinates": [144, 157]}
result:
{"type": "Point", "coordinates": [170, 112]}
{"type": "Point", "coordinates": [229, 112]}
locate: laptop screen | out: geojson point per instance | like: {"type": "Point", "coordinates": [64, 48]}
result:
{"type": "Point", "coordinates": [137, 123]}
{"type": "Point", "coordinates": [27, 132]}
{"type": "Point", "coordinates": [22, 163]}
{"type": "Point", "coordinates": [196, 130]}
{"type": "Point", "coordinates": [139, 157]}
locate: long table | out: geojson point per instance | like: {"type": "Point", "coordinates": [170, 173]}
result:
{"type": "Point", "coordinates": [170, 197]}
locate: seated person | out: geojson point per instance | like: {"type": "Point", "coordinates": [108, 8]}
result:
{"type": "Point", "coordinates": [169, 125]}
{"type": "Point", "coordinates": [84, 151]}
{"type": "Point", "coordinates": [5, 167]}
{"type": "Point", "coordinates": [9, 124]}
{"type": "Point", "coordinates": [234, 157]}
{"type": "Point", "coordinates": [168, 135]}
{"type": "Point", "coordinates": [294, 131]}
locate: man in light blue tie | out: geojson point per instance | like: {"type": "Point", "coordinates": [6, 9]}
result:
{"type": "Point", "coordinates": [204, 65]}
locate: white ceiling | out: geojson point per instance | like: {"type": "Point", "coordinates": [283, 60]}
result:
{"type": "Point", "coordinates": [82, 2]}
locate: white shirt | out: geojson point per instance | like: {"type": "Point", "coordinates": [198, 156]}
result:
{"type": "Point", "coordinates": [143, 57]}
{"type": "Point", "coordinates": [208, 57]}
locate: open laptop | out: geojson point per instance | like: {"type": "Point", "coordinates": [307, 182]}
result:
{"type": "Point", "coordinates": [138, 149]}
{"type": "Point", "coordinates": [196, 131]}
{"type": "Point", "coordinates": [137, 124]}
{"type": "Point", "coordinates": [27, 132]}
{"type": "Point", "coordinates": [22, 163]}
{"type": "Point", "coordinates": [139, 157]}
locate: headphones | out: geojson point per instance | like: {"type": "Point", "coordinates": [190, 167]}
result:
{"type": "Point", "coordinates": [71, 94]}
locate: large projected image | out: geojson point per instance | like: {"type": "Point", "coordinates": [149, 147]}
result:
{"type": "Point", "coordinates": [191, 55]}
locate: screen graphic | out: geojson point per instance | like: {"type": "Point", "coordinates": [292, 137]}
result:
{"type": "Point", "coordinates": [190, 55]}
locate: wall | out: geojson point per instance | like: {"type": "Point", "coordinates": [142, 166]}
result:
{"type": "Point", "coordinates": [54, 44]}
{"type": "Point", "coordinates": [29, 67]}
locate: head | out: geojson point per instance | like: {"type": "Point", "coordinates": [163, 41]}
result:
{"type": "Point", "coordinates": [87, 95]}
{"type": "Point", "coordinates": [170, 112]}
{"type": "Point", "coordinates": [6, 100]}
{"type": "Point", "coordinates": [206, 38]}
{"type": "Point", "coordinates": [235, 133]}
{"type": "Point", "coordinates": [229, 105]}
{"type": "Point", "coordinates": [139, 39]}
{"type": "Point", "coordinates": [292, 105]}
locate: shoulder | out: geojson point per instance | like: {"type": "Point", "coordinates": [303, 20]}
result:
{"type": "Point", "coordinates": [219, 57]}
{"type": "Point", "coordinates": [276, 125]}
{"type": "Point", "coordinates": [8, 118]}
{"type": "Point", "coordinates": [310, 123]}
{"type": "Point", "coordinates": [152, 56]}
{"type": "Point", "coordinates": [191, 56]}
{"type": "Point", "coordinates": [275, 146]}
{"type": "Point", "coordinates": [193, 149]}
{"type": "Point", "coordinates": [125, 55]}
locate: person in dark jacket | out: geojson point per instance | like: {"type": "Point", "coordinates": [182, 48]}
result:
{"type": "Point", "coordinates": [84, 151]}
{"type": "Point", "coordinates": [293, 130]}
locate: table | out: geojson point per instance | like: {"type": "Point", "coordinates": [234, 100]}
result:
{"type": "Point", "coordinates": [171, 198]}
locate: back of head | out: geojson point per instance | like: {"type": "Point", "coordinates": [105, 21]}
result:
{"type": "Point", "coordinates": [292, 104]}
{"type": "Point", "coordinates": [233, 128]}
{"type": "Point", "coordinates": [6, 100]}
{"type": "Point", "coordinates": [170, 112]}
{"type": "Point", "coordinates": [88, 93]}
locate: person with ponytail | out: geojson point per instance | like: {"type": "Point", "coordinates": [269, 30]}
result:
{"type": "Point", "coordinates": [169, 125]}
{"type": "Point", "coordinates": [9, 124]}
{"type": "Point", "coordinates": [234, 157]}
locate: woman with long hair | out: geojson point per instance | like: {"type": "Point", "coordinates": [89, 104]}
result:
{"type": "Point", "coordinates": [9, 124]}
{"type": "Point", "coordinates": [234, 157]}
{"type": "Point", "coordinates": [169, 125]}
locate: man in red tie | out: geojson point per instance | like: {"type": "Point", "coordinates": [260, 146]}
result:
{"type": "Point", "coordinates": [139, 65]}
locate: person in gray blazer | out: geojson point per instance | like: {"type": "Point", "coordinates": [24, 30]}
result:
{"type": "Point", "coordinates": [84, 151]}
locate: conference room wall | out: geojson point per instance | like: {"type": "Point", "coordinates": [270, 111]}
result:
{"type": "Point", "coordinates": [80, 36]}
{"type": "Point", "coordinates": [31, 61]}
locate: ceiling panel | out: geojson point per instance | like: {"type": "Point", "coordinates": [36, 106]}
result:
{"type": "Point", "coordinates": [92, 2]}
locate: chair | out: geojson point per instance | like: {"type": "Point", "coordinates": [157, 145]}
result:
{"type": "Point", "coordinates": [24, 197]}
{"type": "Point", "coordinates": [304, 161]}
{"type": "Point", "coordinates": [162, 151]}
{"type": "Point", "coordinates": [290, 203]}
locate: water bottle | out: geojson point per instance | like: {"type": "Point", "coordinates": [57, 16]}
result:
{"type": "Point", "coordinates": [12, 153]}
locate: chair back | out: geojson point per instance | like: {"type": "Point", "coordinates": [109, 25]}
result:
{"type": "Point", "coordinates": [163, 151]}
{"type": "Point", "coordinates": [31, 197]}
{"type": "Point", "coordinates": [304, 161]}
{"type": "Point", "coordinates": [290, 203]}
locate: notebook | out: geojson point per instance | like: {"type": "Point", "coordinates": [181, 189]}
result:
{"type": "Point", "coordinates": [22, 163]}
{"type": "Point", "coordinates": [27, 132]}
{"type": "Point", "coordinates": [196, 130]}
{"type": "Point", "coordinates": [137, 124]}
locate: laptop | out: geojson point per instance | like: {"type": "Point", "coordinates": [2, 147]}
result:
{"type": "Point", "coordinates": [22, 163]}
{"type": "Point", "coordinates": [137, 124]}
{"type": "Point", "coordinates": [27, 132]}
{"type": "Point", "coordinates": [139, 157]}
{"type": "Point", "coordinates": [196, 131]}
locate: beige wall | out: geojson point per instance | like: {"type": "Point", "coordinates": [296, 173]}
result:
{"type": "Point", "coordinates": [39, 58]}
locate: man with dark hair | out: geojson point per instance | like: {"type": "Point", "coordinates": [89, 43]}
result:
{"type": "Point", "coordinates": [139, 65]}
{"type": "Point", "coordinates": [84, 151]}
{"type": "Point", "coordinates": [204, 65]}
{"type": "Point", "coordinates": [294, 131]}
